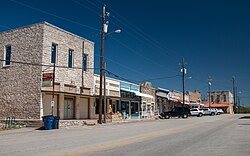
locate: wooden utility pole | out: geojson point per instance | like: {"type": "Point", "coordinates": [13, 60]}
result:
{"type": "Point", "coordinates": [101, 65]}
{"type": "Point", "coordinates": [183, 81]}
{"type": "Point", "coordinates": [209, 91]}
{"type": "Point", "coordinates": [104, 93]}
{"type": "Point", "coordinates": [53, 92]}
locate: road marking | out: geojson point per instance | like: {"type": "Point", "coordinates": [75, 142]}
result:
{"type": "Point", "coordinates": [133, 139]}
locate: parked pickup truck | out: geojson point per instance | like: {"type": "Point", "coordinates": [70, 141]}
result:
{"type": "Point", "coordinates": [196, 112]}
{"type": "Point", "coordinates": [208, 111]}
{"type": "Point", "coordinates": [183, 112]}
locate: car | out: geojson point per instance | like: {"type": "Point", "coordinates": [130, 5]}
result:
{"type": "Point", "coordinates": [214, 111]}
{"type": "Point", "coordinates": [220, 111]}
{"type": "Point", "coordinates": [206, 111]}
{"type": "Point", "coordinates": [196, 112]}
{"type": "Point", "coordinates": [183, 112]}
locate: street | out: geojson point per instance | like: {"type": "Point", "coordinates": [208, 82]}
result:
{"type": "Point", "coordinates": [209, 135]}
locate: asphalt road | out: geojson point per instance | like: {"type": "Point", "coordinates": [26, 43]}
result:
{"type": "Point", "coordinates": [221, 135]}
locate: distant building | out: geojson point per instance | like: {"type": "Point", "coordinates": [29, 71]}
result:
{"type": "Point", "coordinates": [221, 99]}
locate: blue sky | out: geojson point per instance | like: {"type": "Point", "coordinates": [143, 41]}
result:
{"type": "Point", "coordinates": [213, 36]}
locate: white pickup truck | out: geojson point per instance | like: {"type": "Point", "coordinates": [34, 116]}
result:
{"type": "Point", "coordinates": [196, 112]}
{"type": "Point", "coordinates": [208, 111]}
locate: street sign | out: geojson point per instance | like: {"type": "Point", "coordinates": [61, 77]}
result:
{"type": "Point", "coordinates": [52, 103]}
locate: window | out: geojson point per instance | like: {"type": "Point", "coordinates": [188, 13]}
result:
{"type": "Point", "coordinates": [225, 98]}
{"type": "Point", "coordinates": [84, 62]}
{"type": "Point", "coordinates": [212, 98]}
{"type": "Point", "coordinates": [70, 58]}
{"type": "Point", "coordinates": [218, 98]}
{"type": "Point", "coordinates": [53, 52]}
{"type": "Point", "coordinates": [7, 55]}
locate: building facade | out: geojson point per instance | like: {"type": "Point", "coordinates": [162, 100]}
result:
{"type": "Point", "coordinates": [28, 56]}
{"type": "Point", "coordinates": [147, 100]}
{"type": "Point", "coordinates": [163, 103]}
{"type": "Point", "coordinates": [113, 95]}
{"type": "Point", "coordinates": [221, 99]}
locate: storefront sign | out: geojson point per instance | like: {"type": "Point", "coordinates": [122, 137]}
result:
{"type": "Point", "coordinates": [47, 75]}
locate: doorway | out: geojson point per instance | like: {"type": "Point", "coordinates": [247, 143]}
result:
{"type": "Point", "coordinates": [68, 108]}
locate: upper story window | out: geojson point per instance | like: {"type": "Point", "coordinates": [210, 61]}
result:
{"type": "Point", "coordinates": [218, 98]}
{"type": "Point", "coordinates": [84, 62]}
{"type": "Point", "coordinates": [7, 55]}
{"type": "Point", "coordinates": [212, 98]}
{"type": "Point", "coordinates": [53, 52]}
{"type": "Point", "coordinates": [70, 58]}
{"type": "Point", "coordinates": [224, 98]}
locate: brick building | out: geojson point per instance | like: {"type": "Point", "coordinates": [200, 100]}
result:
{"type": "Point", "coordinates": [27, 57]}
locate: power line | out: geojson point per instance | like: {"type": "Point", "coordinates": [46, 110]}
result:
{"type": "Point", "coordinates": [46, 65]}
{"type": "Point", "coordinates": [92, 10]}
{"type": "Point", "coordinates": [165, 77]}
{"type": "Point", "coordinates": [51, 14]}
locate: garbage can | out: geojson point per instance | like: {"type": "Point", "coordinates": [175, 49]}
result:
{"type": "Point", "coordinates": [48, 122]}
{"type": "Point", "coordinates": [56, 122]}
{"type": "Point", "coordinates": [123, 114]}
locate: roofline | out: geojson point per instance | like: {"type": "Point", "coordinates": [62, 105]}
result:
{"type": "Point", "coordinates": [108, 78]}
{"type": "Point", "coordinates": [56, 27]}
{"type": "Point", "coordinates": [48, 24]}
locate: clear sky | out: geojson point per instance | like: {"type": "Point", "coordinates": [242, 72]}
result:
{"type": "Point", "coordinates": [212, 35]}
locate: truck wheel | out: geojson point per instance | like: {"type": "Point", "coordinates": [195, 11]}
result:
{"type": "Point", "coordinates": [185, 116]}
{"type": "Point", "coordinates": [200, 115]}
{"type": "Point", "coordinates": [212, 113]}
{"type": "Point", "coordinates": [167, 116]}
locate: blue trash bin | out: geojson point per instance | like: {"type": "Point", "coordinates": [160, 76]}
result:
{"type": "Point", "coordinates": [123, 114]}
{"type": "Point", "coordinates": [48, 122]}
{"type": "Point", "coordinates": [56, 122]}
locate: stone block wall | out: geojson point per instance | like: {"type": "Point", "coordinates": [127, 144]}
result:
{"type": "Point", "coordinates": [20, 83]}
{"type": "Point", "coordinates": [65, 41]}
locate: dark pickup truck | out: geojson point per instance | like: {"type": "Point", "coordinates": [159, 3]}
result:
{"type": "Point", "coordinates": [183, 112]}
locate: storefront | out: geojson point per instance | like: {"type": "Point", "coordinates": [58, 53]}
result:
{"type": "Point", "coordinates": [130, 101]}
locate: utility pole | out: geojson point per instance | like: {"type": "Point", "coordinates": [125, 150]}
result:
{"type": "Point", "coordinates": [209, 91]}
{"type": "Point", "coordinates": [105, 99]}
{"type": "Point", "coordinates": [53, 92]}
{"type": "Point", "coordinates": [183, 81]}
{"type": "Point", "coordinates": [101, 64]}
{"type": "Point", "coordinates": [236, 99]}
{"type": "Point", "coordinates": [233, 80]}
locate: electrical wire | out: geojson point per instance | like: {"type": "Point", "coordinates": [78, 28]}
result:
{"type": "Point", "coordinates": [54, 15]}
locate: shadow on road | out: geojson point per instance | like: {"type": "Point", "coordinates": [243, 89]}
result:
{"type": "Point", "coordinates": [245, 117]}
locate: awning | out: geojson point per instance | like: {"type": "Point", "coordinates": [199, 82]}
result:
{"type": "Point", "coordinates": [137, 93]}
{"type": "Point", "coordinates": [144, 95]}
{"type": "Point", "coordinates": [196, 104]}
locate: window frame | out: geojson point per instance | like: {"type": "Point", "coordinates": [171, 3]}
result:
{"type": "Point", "coordinates": [72, 58]}
{"type": "Point", "coordinates": [5, 55]}
{"type": "Point", "coordinates": [86, 60]}
{"type": "Point", "coordinates": [56, 53]}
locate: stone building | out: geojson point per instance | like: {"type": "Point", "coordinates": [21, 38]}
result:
{"type": "Point", "coordinates": [162, 100]}
{"type": "Point", "coordinates": [194, 99]}
{"type": "Point", "coordinates": [147, 99]}
{"type": "Point", "coordinates": [27, 57]}
{"type": "Point", "coordinates": [221, 99]}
